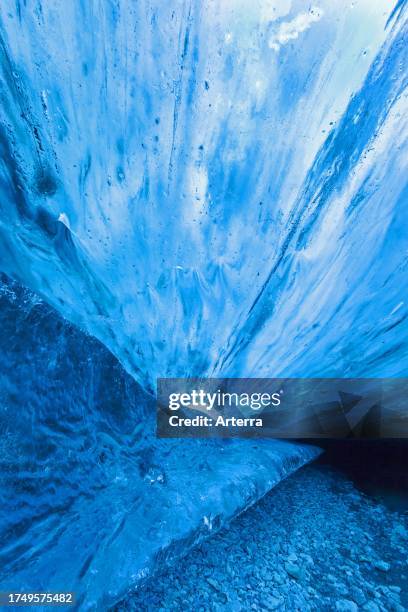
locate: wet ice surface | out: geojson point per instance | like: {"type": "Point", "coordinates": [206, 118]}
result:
{"type": "Point", "coordinates": [316, 542]}
{"type": "Point", "coordinates": [206, 188]}
{"type": "Point", "coordinates": [211, 187]}
{"type": "Point", "coordinates": [90, 500]}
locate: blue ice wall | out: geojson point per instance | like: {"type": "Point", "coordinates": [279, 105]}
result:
{"type": "Point", "coordinates": [90, 500]}
{"type": "Point", "coordinates": [211, 187]}
{"type": "Point", "coordinates": [205, 187]}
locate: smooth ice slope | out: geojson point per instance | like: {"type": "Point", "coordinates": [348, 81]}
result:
{"type": "Point", "coordinates": [90, 500]}
{"type": "Point", "coordinates": [211, 187]}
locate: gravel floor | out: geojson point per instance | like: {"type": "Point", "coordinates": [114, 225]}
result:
{"type": "Point", "coordinates": [314, 543]}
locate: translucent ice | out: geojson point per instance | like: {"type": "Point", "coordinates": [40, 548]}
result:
{"type": "Point", "coordinates": [90, 500]}
{"type": "Point", "coordinates": [208, 187]}
{"type": "Point", "coordinates": [211, 187]}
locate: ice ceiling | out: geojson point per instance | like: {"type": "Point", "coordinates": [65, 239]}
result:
{"type": "Point", "coordinates": [211, 187]}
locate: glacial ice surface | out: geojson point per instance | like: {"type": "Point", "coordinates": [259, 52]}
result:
{"type": "Point", "coordinates": [207, 188]}
{"type": "Point", "coordinates": [90, 500]}
{"type": "Point", "coordinates": [211, 188]}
